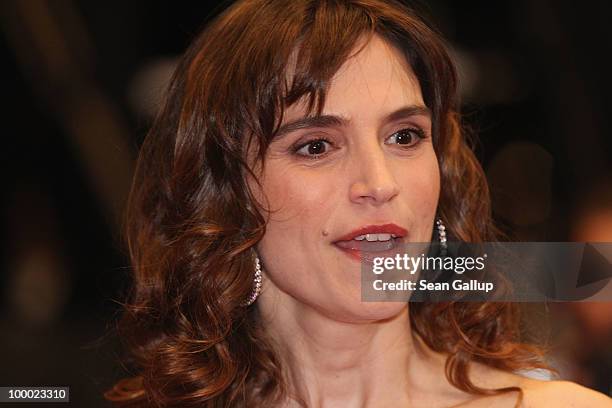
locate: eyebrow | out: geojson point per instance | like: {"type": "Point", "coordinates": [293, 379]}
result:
{"type": "Point", "coordinates": [327, 121]}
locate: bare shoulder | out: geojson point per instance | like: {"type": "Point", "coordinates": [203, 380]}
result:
{"type": "Point", "coordinates": [562, 394]}
{"type": "Point", "coordinates": [541, 393]}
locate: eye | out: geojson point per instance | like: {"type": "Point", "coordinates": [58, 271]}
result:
{"type": "Point", "coordinates": [313, 148]}
{"type": "Point", "coordinates": [407, 138]}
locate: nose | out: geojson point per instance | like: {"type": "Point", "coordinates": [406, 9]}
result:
{"type": "Point", "coordinates": [373, 182]}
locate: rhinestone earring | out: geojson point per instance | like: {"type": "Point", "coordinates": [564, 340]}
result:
{"type": "Point", "coordinates": [442, 236]}
{"type": "Point", "coordinates": [256, 284]}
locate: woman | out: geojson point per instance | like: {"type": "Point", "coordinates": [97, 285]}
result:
{"type": "Point", "coordinates": [293, 129]}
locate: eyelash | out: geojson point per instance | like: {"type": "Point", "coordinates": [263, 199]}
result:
{"type": "Point", "coordinates": [418, 132]}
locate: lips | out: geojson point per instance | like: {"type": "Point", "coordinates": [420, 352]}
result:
{"type": "Point", "coordinates": [372, 241]}
{"type": "Point", "coordinates": [375, 229]}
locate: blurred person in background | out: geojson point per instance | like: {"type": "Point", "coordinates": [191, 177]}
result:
{"type": "Point", "coordinates": [584, 352]}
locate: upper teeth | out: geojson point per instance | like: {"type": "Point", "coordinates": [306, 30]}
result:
{"type": "Point", "coordinates": [375, 237]}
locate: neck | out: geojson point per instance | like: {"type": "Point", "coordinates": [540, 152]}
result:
{"type": "Point", "coordinates": [333, 363]}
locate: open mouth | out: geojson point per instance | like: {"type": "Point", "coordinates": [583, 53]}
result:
{"type": "Point", "coordinates": [366, 247]}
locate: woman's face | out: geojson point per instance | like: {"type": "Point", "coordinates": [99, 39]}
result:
{"type": "Point", "coordinates": [367, 161]}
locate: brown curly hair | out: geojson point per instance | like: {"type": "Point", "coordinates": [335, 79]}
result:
{"type": "Point", "coordinates": [192, 221]}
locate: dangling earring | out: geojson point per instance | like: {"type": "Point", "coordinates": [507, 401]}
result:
{"type": "Point", "coordinates": [256, 284]}
{"type": "Point", "coordinates": [442, 236]}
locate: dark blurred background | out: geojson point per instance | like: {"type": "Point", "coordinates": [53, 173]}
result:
{"type": "Point", "coordinates": [83, 79]}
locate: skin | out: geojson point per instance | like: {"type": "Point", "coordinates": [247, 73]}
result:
{"type": "Point", "coordinates": [339, 351]}
{"type": "Point", "coordinates": [365, 176]}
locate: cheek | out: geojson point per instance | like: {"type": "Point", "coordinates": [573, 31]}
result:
{"type": "Point", "coordinates": [296, 199]}
{"type": "Point", "coordinates": [430, 183]}
{"type": "Point", "coordinates": [298, 205]}
{"type": "Point", "coordinates": [421, 191]}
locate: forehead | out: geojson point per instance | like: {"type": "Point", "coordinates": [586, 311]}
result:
{"type": "Point", "coordinates": [370, 84]}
